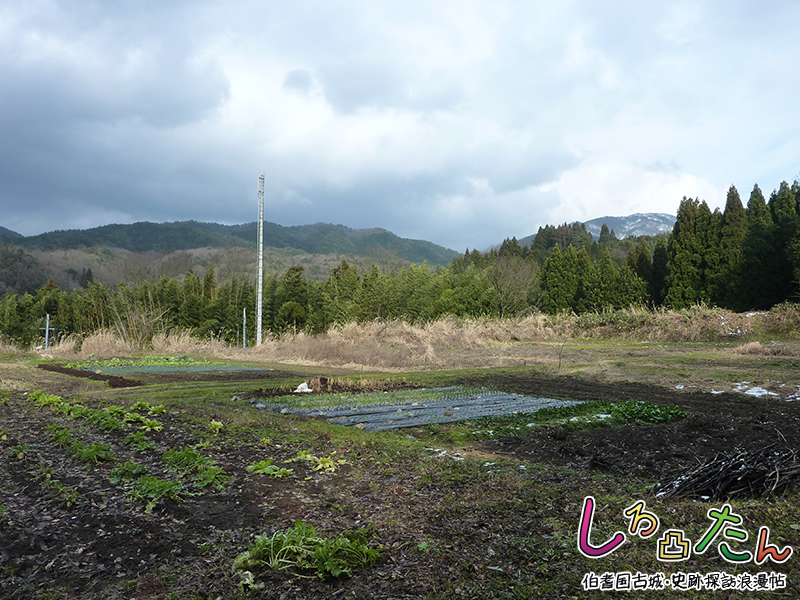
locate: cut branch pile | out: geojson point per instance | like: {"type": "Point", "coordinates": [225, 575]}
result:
{"type": "Point", "coordinates": [741, 473]}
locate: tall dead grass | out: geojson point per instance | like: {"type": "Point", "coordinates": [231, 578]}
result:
{"type": "Point", "coordinates": [8, 348]}
{"type": "Point", "coordinates": [455, 342]}
{"type": "Point", "coordinates": [759, 349]}
{"type": "Point", "coordinates": [108, 343]}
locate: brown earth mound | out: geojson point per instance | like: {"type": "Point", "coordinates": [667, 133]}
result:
{"type": "Point", "coordinates": [115, 381]}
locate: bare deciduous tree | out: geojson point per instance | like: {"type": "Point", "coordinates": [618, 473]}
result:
{"type": "Point", "coordinates": [513, 279]}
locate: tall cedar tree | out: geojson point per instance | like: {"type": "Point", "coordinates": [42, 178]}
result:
{"type": "Point", "coordinates": [731, 238]}
{"type": "Point", "coordinates": [685, 253]}
{"type": "Point", "coordinates": [786, 226]}
{"type": "Point", "coordinates": [640, 261]}
{"type": "Point", "coordinates": [708, 230]}
{"type": "Point", "coordinates": [558, 284]}
{"type": "Point", "coordinates": [755, 279]}
{"type": "Point", "coordinates": [658, 287]}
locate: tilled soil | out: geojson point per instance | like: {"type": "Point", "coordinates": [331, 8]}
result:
{"type": "Point", "coordinates": [103, 546]}
{"type": "Point", "coordinates": [715, 423]}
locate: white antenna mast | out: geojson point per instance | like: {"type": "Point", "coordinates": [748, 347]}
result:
{"type": "Point", "coordinates": [260, 289]}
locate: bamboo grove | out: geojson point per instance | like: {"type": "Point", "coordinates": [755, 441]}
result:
{"type": "Point", "coordinates": [743, 258]}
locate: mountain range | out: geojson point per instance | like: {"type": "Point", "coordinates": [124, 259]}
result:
{"type": "Point", "coordinates": [635, 225]}
{"type": "Point", "coordinates": [140, 251]}
{"type": "Point", "coordinates": [320, 238]}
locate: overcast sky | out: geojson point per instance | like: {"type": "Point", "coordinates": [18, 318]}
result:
{"type": "Point", "coordinates": [460, 122]}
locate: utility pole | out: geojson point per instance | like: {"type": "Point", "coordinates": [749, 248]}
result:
{"type": "Point", "coordinates": [260, 289]}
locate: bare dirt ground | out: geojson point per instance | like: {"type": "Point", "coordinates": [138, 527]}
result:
{"type": "Point", "coordinates": [715, 423]}
{"type": "Point", "coordinates": [103, 546]}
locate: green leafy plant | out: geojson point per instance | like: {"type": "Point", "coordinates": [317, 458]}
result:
{"type": "Point", "coordinates": [43, 399]}
{"type": "Point", "coordinates": [325, 463]}
{"type": "Point", "coordinates": [201, 469]}
{"type": "Point", "coordinates": [571, 417]}
{"type": "Point", "coordinates": [139, 442]}
{"type": "Point", "coordinates": [91, 453]}
{"type": "Point", "coordinates": [61, 436]}
{"type": "Point", "coordinates": [147, 361]}
{"type": "Point", "coordinates": [186, 458]}
{"type": "Point", "coordinates": [647, 412]}
{"type": "Point", "coordinates": [152, 490]}
{"type": "Point", "coordinates": [300, 549]}
{"type": "Point", "coordinates": [54, 485]}
{"type": "Point", "coordinates": [150, 424]}
{"type": "Point", "coordinates": [148, 408]}
{"type": "Point", "coordinates": [103, 419]}
{"type": "Point", "coordinates": [65, 439]}
{"type": "Point", "coordinates": [267, 468]}
{"type": "Point", "coordinates": [215, 426]}
{"type": "Point", "coordinates": [127, 472]}
{"type": "Point", "coordinates": [211, 475]}
{"type": "Point", "coordinates": [21, 452]}
{"type": "Point", "coordinates": [145, 423]}
{"type": "Point", "coordinates": [74, 411]}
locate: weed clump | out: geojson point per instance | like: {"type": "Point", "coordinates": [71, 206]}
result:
{"type": "Point", "coordinates": [300, 549]}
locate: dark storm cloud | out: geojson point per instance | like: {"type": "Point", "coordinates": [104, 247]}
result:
{"type": "Point", "coordinates": [80, 97]}
{"type": "Point", "coordinates": [461, 122]}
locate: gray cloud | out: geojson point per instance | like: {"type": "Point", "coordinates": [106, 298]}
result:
{"type": "Point", "coordinates": [299, 80]}
{"type": "Point", "coordinates": [458, 122]}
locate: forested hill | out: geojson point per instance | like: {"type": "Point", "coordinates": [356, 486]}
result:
{"type": "Point", "coordinates": [9, 237]}
{"type": "Point", "coordinates": [186, 235]}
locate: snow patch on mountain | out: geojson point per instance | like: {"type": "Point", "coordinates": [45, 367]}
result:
{"type": "Point", "coordinates": [632, 225]}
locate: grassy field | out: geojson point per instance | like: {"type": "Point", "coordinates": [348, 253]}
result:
{"type": "Point", "coordinates": [181, 488]}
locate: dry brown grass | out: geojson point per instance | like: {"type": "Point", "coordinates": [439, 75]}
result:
{"type": "Point", "coordinates": [102, 344]}
{"type": "Point", "coordinates": [455, 342]}
{"type": "Point", "coordinates": [698, 323]}
{"type": "Point", "coordinates": [109, 344]}
{"type": "Point", "coordinates": [759, 349]}
{"type": "Point", "coordinates": [183, 342]}
{"type": "Point", "coordinates": [8, 348]}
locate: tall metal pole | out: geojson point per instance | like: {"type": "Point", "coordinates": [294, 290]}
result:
{"type": "Point", "coordinates": [260, 289]}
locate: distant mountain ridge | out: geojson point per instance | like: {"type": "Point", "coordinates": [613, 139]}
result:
{"type": "Point", "coordinates": [318, 238]}
{"type": "Point", "coordinates": [634, 225]}
{"type": "Point", "coordinates": [9, 237]}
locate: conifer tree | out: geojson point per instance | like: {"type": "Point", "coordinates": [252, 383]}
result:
{"type": "Point", "coordinates": [731, 238]}
{"type": "Point", "coordinates": [755, 279]}
{"type": "Point", "coordinates": [786, 229]}
{"type": "Point", "coordinates": [607, 236]}
{"type": "Point", "coordinates": [658, 284]}
{"type": "Point", "coordinates": [292, 299]}
{"type": "Point", "coordinates": [640, 262]}
{"type": "Point", "coordinates": [209, 283]}
{"type": "Point", "coordinates": [596, 282]}
{"type": "Point", "coordinates": [629, 289]}
{"type": "Point", "coordinates": [708, 231]}
{"type": "Point", "coordinates": [558, 286]}
{"type": "Point", "coordinates": [685, 261]}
